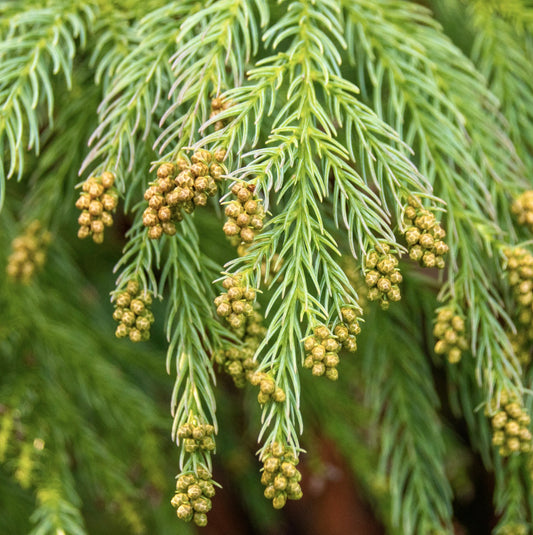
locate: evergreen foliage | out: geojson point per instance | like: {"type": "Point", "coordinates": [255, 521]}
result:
{"type": "Point", "coordinates": [280, 169]}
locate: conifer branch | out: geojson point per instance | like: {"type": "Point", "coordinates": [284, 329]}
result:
{"type": "Point", "coordinates": [338, 122]}
{"type": "Point", "coordinates": [139, 258]}
{"type": "Point", "coordinates": [403, 399]}
{"type": "Point", "coordinates": [415, 65]}
{"type": "Point", "coordinates": [510, 497]}
{"type": "Point", "coordinates": [54, 171]}
{"type": "Point", "coordinates": [467, 400]}
{"type": "Point", "coordinates": [58, 509]}
{"type": "Point", "coordinates": [73, 372]}
{"type": "Point", "coordinates": [40, 43]}
{"type": "Point", "coordinates": [304, 226]}
{"type": "Point", "coordinates": [502, 50]}
{"type": "Point", "coordinates": [137, 88]}
{"type": "Point", "coordinates": [216, 44]}
{"type": "Point", "coordinates": [301, 129]}
{"type": "Point", "coordinates": [192, 331]}
{"type": "Point", "coordinates": [114, 38]}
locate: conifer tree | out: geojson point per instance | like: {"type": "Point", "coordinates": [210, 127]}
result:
{"type": "Point", "coordinates": [320, 211]}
